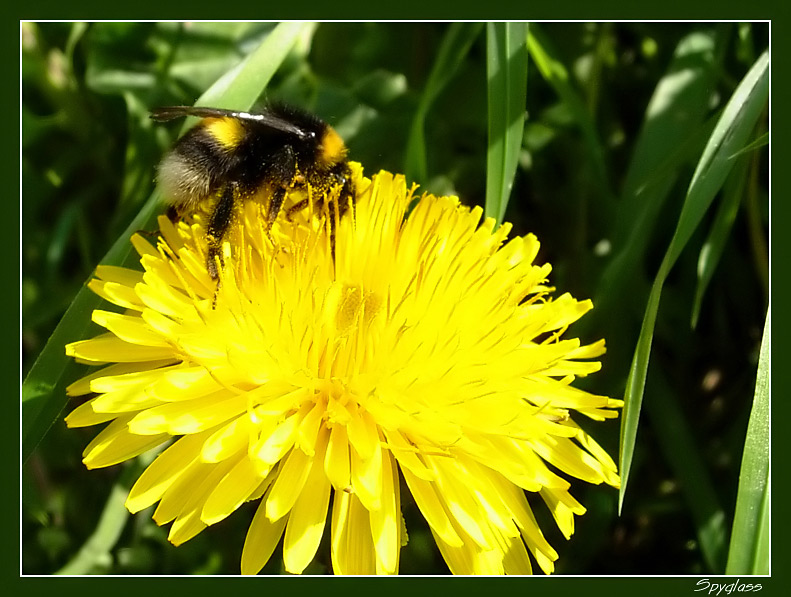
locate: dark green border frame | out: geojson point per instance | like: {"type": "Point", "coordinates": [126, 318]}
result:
{"type": "Point", "coordinates": [573, 10]}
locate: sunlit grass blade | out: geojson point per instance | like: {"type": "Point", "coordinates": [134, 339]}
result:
{"type": "Point", "coordinates": [676, 438]}
{"type": "Point", "coordinates": [455, 46]}
{"type": "Point", "coordinates": [719, 234]}
{"type": "Point", "coordinates": [553, 71]}
{"type": "Point", "coordinates": [506, 59]}
{"type": "Point", "coordinates": [729, 136]}
{"type": "Point", "coordinates": [757, 144]}
{"type": "Point", "coordinates": [43, 392]}
{"type": "Point", "coordinates": [673, 132]}
{"type": "Point", "coordinates": [749, 550]}
{"type": "Point", "coordinates": [241, 86]}
{"type": "Point", "coordinates": [678, 106]}
{"type": "Point", "coordinates": [95, 553]}
{"type": "Point", "coordinates": [756, 225]}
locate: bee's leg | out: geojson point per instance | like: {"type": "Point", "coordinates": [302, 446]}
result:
{"type": "Point", "coordinates": [275, 204]}
{"type": "Point", "coordinates": [218, 226]}
{"type": "Point", "coordinates": [173, 213]}
{"type": "Point", "coordinates": [332, 231]}
{"type": "Point", "coordinates": [347, 195]}
{"type": "Point", "coordinates": [284, 172]}
{"type": "Point", "coordinates": [337, 208]}
{"type": "Point", "coordinates": [296, 208]}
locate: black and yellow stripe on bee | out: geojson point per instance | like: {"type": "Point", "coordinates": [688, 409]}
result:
{"type": "Point", "coordinates": [233, 156]}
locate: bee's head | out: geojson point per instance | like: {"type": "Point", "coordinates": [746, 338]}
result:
{"type": "Point", "coordinates": [332, 150]}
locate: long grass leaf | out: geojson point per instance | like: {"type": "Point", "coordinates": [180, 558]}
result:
{"type": "Point", "coordinates": [555, 73]}
{"type": "Point", "coordinates": [43, 391]}
{"type": "Point", "coordinates": [454, 48]}
{"type": "Point", "coordinates": [95, 553]}
{"type": "Point", "coordinates": [749, 549]}
{"type": "Point", "coordinates": [673, 133]}
{"type": "Point", "coordinates": [729, 136]}
{"type": "Point", "coordinates": [718, 235]}
{"type": "Point", "coordinates": [506, 60]}
{"type": "Point", "coordinates": [757, 144]}
{"type": "Point", "coordinates": [677, 107]}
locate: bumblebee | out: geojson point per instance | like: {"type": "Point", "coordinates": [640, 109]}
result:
{"type": "Point", "coordinates": [231, 157]}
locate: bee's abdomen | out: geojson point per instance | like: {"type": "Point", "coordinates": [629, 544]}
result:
{"type": "Point", "coordinates": [194, 169]}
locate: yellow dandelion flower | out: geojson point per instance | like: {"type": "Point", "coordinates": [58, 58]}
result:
{"type": "Point", "coordinates": [428, 349]}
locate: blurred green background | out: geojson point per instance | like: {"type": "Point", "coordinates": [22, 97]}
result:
{"type": "Point", "coordinates": [592, 145]}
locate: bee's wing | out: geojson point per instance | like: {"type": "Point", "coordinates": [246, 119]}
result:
{"type": "Point", "coordinates": [265, 118]}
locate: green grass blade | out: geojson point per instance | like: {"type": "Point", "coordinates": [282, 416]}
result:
{"type": "Point", "coordinates": [506, 59]}
{"type": "Point", "coordinates": [241, 86]}
{"type": "Point", "coordinates": [43, 391]}
{"type": "Point", "coordinates": [553, 71]}
{"type": "Point", "coordinates": [95, 554]}
{"type": "Point", "coordinates": [749, 550]}
{"type": "Point", "coordinates": [677, 107]}
{"type": "Point", "coordinates": [729, 136]}
{"type": "Point", "coordinates": [728, 139]}
{"type": "Point", "coordinates": [673, 132]}
{"type": "Point", "coordinates": [757, 144]}
{"type": "Point", "coordinates": [719, 234]}
{"type": "Point", "coordinates": [97, 549]}
{"type": "Point", "coordinates": [455, 46]}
